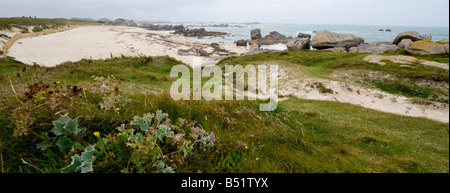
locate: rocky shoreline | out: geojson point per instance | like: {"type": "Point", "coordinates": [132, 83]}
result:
{"type": "Point", "coordinates": [411, 41]}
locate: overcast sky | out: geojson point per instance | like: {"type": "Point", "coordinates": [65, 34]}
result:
{"type": "Point", "coordinates": [368, 12]}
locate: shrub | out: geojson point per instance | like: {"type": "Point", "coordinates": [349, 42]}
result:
{"type": "Point", "coordinates": [37, 29]}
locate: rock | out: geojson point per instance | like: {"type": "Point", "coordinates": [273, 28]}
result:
{"type": "Point", "coordinates": [198, 32]}
{"type": "Point", "coordinates": [165, 27]}
{"type": "Point", "coordinates": [376, 48]}
{"type": "Point", "coordinates": [445, 43]}
{"type": "Point", "coordinates": [273, 38]}
{"type": "Point", "coordinates": [404, 43]}
{"type": "Point", "coordinates": [131, 23]}
{"type": "Point", "coordinates": [426, 47]}
{"type": "Point", "coordinates": [426, 36]}
{"type": "Point", "coordinates": [256, 34]}
{"type": "Point", "coordinates": [381, 30]}
{"type": "Point", "coordinates": [106, 21]}
{"type": "Point", "coordinates": [326, 39]}
{"type": "Point", "coordinates": [298, 44]}
{"type": "Point", "coordinates": [216, 46]}
{"type": "Point", "coordinates": [412, 35]}
{"type": "Point", "coordinates": [388, 30]}
{"type": "Point", "coordinates": [241, 43]}
{"type": "Point", "coordinates": [353, 49]}
{"type": "Point", "coordinates": [275, 35]}
{"type": "Point", "coordinates": [302, 35]}
{"type": "Point", "coordinates": [192, 52]}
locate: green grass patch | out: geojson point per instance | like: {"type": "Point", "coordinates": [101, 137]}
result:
{"type": "Point", "coordinates": [311, 58]}
{"type": "Point", "coordinates": [37, 29]}
{"type": "Point", "coordinates": [300, 136]}
{"type": "Point", "coordinates": [8, 23]}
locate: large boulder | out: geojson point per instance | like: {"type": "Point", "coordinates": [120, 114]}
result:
{"type": "Point", "coordinates": [241, 43]}
{"type": "Point", "coordinates": [302, 35]}
{"type": "Point", "coordinates": [256, 34]}
{"type": "Point", "coordinates": [426, 47]}
{"type": "Point", "coordinates": [275, 36]}
{"type": "Point", "coordinates": [445, 43]}
{"type": "Point", "coordinates": [426, 36]}
{"type": "Point", "coordinates": [376, 48]}
{"type": "Point", "coordinates": [412, 35]}
{"type": "Point", "coordinates": [404, 43]}
{"type": "Point", "coordinates": [326, 39]}
{"type": "Point", "coordinates": [298, 44]}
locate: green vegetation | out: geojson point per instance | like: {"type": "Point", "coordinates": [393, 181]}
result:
{"type": "Point", "coordinates": [8, 23]}
{"type": "Point", "coordinates": [105, 100]}
{"type": "Point", "coordinates": [5, 36]}
{"type": "Point", "coordinates": [37, 29]}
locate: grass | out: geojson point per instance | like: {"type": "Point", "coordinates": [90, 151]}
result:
{"type": "Point", "coordinates": [37, 29]}
{"type": "Point", "coordinates": [8, 23]}
{"type": "Point", "coordinates": [300, 136]}
{"type": "Point", "coordinates": [322, 64]}
{"type": "Point", "coordinates": [308, 58]}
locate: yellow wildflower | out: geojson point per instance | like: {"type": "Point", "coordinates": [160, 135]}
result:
{"type": "Point", "coordinates": [97, 134]}
{"type": "Point", "coordinates": [58, 82]}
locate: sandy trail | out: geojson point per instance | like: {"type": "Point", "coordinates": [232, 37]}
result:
{"type": "Point", "coordinates": [308, 88]}
{"type": "Point", "coordinates": [102, 42]}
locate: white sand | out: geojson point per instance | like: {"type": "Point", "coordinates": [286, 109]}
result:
{"type": "Point", "coordinates": [100, 42]}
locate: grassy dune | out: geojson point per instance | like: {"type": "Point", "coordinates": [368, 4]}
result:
{"type": "Point", "coordinates": [300, 136]}
{"type": "Point", "coordinates": [8, 23]}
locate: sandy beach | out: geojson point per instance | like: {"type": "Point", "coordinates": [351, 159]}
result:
{"type": "Point", "coordinates": [101, 42]}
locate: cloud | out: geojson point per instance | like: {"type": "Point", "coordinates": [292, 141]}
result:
{"type": "Point", "coordinates": [371, 12]}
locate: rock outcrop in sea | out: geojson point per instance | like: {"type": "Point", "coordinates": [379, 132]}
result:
{"type": "Point", "coordinates": [255, 34]}
{"type": "Point", "coordinates": [411, 35]}
{"type": "Point", "coordinates": [198, 33]}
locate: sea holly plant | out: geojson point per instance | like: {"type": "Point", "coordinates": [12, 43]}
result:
{"type": "Point", "coordinates": [149, 143]}
{"type": "Point", "coordinates": [81, 163]}
{"type": "Point", "coordinates": [162, 132]}
{"type": "Point", "coordinates": [67, 132]}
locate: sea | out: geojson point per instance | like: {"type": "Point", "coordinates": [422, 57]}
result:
{"type": "Point", "coordinates": [370, 33]}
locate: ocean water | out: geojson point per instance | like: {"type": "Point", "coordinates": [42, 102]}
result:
{"type": "Point", "coordinates": [369, 33]}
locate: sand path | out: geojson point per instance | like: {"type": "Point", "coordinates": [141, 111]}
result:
{"type": "Point", "coordinates": [309, 88]}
